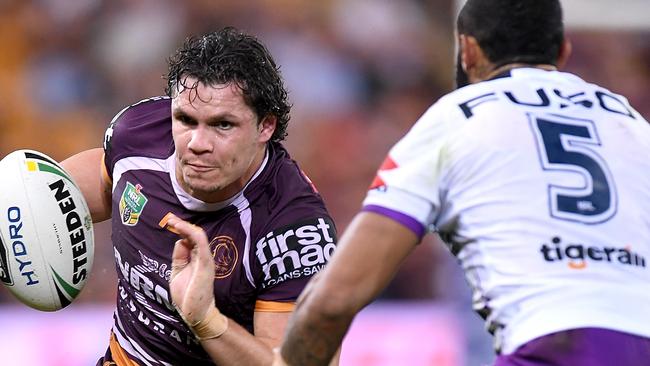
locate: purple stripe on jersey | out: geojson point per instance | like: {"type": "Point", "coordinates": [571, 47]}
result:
{"type": "Point", "coordinates": [581, 347]}
{"type": "Point", "coordinates": [406, 220]}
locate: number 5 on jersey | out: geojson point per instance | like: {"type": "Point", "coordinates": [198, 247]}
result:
{"type": "Point", "coordinates": [571, 145]}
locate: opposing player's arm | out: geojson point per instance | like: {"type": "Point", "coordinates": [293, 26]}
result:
{"type": "Point", "coordinates": [368, 256]}
{"type": "Point", "coordinates": [86, 169]}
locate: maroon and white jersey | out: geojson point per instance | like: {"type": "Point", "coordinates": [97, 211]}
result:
{"type": "Point", "coordinates": [267, 241]}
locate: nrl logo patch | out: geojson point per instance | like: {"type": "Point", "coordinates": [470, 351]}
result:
{"type": "Point", "coordinates": [131, 204]}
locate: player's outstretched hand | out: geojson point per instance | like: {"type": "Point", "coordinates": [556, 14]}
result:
{"type": "Point", "coordinates": [192, 281]}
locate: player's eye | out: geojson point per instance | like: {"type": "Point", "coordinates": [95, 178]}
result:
{"type": "Point", "coordinates": [224, 125]}
{"type": "Point", "coordinates": [185, 119]}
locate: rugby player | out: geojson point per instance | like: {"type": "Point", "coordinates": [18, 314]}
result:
{"type": "Point", "coordinates": [538, 182]}
{"type": "Point", "coordinates": [210, 154]}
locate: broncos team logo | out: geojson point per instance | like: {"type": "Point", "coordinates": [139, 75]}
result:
{"type": "Point", "coordinates": [225, 256]}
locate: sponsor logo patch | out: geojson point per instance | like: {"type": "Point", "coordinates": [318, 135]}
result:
{"type": "Point", "coordinates": [132, 203]}
{"type": "Point", "coordinates": [295, 251]}
{"type": "Point", "coordinates": [225, 256]}
{"type": "Point", "coordinates": [577, 255]}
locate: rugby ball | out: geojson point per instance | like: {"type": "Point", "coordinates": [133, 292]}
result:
{"type": "Point", "coordinates": [47, 245]}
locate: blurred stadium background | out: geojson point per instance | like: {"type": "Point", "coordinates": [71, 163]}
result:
{"type": "Point", "coordinates": [360, 72]}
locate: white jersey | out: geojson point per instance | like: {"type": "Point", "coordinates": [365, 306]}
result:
{"type": "Point", "coordinates": [540, 184]}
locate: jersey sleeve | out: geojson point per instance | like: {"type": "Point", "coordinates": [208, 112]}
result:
{"type": "Point", "coordinates": [410, 182]}
{"type": "Point", "coordinates": [138, 129]}
{"type": "Point", "coordinates": [295, 245]}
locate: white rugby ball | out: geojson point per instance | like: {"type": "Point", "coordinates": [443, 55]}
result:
{"type": "Point", "coordinates": [47, 244]}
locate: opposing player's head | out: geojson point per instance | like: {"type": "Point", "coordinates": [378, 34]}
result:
{"type": "Point", "coordinates": [231, 56]}
{"type": "Point", "coordinates": [527, 32]}
{"type": "Point", "coordinates": [228, 102]}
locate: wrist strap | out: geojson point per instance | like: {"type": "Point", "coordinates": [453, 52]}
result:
{"type": "Point", "coordinates": [214, 325]}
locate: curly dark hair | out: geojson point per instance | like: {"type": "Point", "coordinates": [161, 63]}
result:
{"type": "Point", "coordinates": [230, 55]}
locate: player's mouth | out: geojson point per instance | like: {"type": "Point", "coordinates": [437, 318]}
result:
{"type": "Point", "coordinates": [200, 168]}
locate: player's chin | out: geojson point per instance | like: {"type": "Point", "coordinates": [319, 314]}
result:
{"type": "Point", "coordinates": [204, 183]}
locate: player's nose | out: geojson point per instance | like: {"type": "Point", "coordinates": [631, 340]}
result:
{"type": "Point", "coordinates": [200, 140]}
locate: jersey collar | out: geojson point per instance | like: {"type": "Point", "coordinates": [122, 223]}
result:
{"type": "Point", "coordinates": [195, 204]}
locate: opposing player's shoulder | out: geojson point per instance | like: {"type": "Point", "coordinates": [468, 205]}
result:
{"type": "Point", "coordinates": [440, 120]}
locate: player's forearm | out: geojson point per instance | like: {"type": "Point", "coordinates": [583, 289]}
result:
{"type": "Point", "coordinates": [367, 257]}
{"type": "Point", "coordinates": [315, 334]}
{"type": "Point", "coordinates": [319, 323]}
{"type": "Point", "coordinates": [238, 347]}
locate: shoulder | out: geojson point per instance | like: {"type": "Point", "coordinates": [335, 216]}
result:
{"type": "Point", "coordinates": [136, 114]}
{"type": "Point", "coordinates": [287, 189]}
{"type": "Point", "coordinates": [451, 109]}
{"type": "Point", "coordinates": [289, 248]}
{"type": "Point", "coordinates": [292, 232]}
{"type": "Point", "coordinates": [140, 129]}
{"type": "Point", "coordinates": [440, 122]}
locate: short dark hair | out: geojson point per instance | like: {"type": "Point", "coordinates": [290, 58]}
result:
{"type": "Point", "coordinates": [509, 31]}
{"type": "Point", "coordinates": [230, 55]}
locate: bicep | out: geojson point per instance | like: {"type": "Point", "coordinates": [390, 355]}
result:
{"type": "Point", "coordinates": [269, 327]}
{"type": "Point", "coordinates": [86, 170]}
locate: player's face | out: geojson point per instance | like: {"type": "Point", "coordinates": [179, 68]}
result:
{"type": "Point", "coordinates": [219, 144]}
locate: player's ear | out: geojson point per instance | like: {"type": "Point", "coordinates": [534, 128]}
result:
{"type": "Point", "coordinates": [473, 60]}
{"type": "Point", "coordinates": [564, 54]}
{"type": "Point", "coordinates": [469, 52]}
{"type": "Point", "coordinates": [267, 127]}
{"type": "Point", "coordinates": [462, 48]}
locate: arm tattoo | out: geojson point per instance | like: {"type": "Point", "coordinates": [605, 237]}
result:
{"type": "Point", "coordinates": [315, 341]}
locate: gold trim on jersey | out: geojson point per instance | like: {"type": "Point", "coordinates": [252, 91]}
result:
{"type": "Point", "coordinates": [120, 357]}
{"type": "Point", "coordinates": [274, 306]}
{"type": "Point", "coordinates": [104, 170]}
